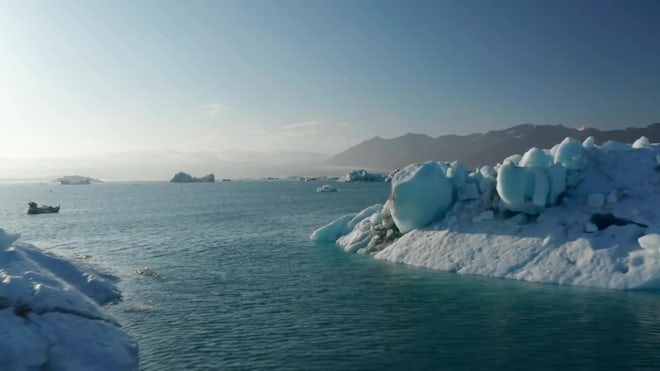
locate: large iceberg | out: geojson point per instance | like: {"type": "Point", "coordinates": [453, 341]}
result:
{"type": "Point", "coordinates": [575, 214]}
{"type": "Point", "coordinates": [50, 314]}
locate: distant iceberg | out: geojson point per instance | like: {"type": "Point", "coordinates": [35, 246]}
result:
{"type": "Point", "coordinates": [76, 180]}
{"type": "Point", "coordinates": [327, 188]}
{"type": "Point", "coordinates": [361, 176]}
{"type": "Point", "coordinates": [182, 177]}
{"type": "Point", "coordinates": [50, 314]}
{"type": "Point", "coordinates": [575, 214]}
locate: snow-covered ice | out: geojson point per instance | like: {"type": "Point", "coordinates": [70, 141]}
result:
{"type": "Point", "coordinates": [50, 313]}
{"type": "Point", "coordinates": [575, 214]}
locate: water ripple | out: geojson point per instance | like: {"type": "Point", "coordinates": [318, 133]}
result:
{"type": "Point", "coordinates": [246, 289]}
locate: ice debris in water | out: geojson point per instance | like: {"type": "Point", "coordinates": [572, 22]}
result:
{"type": "Point", "coordinates": [148, 272]}
{"type": "Point", "coordinates": [575, 214]}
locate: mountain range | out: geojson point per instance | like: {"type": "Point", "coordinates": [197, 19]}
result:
{"type": "Point", "coordinates": [475, 149]}
{"type": "Point", "coordinates": [376, 154]}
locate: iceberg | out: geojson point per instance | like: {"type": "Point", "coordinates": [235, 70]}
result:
{"type": "Point", "coordinates": [182, 177]}
{"type": "Point", "coordinates": [575, 214]}
{"type": "Point", "coordinates": [361, 176]}
{"type": "Point", "coordinates": [51, 316]}
{"type": "Point", "coordinates": [327, 188]}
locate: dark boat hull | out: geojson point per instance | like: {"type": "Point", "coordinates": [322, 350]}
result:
{"type": "Point", "coordinates": [44, 210]}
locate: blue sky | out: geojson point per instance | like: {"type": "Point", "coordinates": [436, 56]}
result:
{"type": "Point", "coordinates": [91, 77]}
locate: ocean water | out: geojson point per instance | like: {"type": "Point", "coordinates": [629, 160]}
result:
{"type": "Point", "coordinates": [237, 284]}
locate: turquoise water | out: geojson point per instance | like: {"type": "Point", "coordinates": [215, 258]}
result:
{"type": "Point", "coordinates": [242, 286]}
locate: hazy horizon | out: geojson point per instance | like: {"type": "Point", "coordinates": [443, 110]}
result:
{"type": "Point", "coordinates": [162, 165]}
{"type": "Point", "coordinates": [82, 83]}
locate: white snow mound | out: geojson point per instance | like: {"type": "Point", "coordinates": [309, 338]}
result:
{"type": "Point", "coordinates": [51, 317]}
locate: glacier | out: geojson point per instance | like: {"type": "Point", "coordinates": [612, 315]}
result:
{"type": "Point", "coordinates": [575, 214]}
{"type": "Point", "coordinates": [51, 315]}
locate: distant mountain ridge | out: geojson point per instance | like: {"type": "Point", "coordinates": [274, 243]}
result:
{"type": "Point", "coordinates": [475, 149]}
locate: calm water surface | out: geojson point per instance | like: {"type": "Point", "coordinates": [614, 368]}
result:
{"type": "Point", "coordinates": [244, 288]}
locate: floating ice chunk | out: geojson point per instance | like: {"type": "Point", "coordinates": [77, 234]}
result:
{"type": "Point", "coordinates": [641, 142]}
{"type": "Point", "coordinates": [569, 153]}
{"type": "Point", "coordinates": [333, 230]}
{"type": "Point", "coordinates": [421, 193]}
{"type": "Point", "coordinates": [650, 242]}
{"type": "Point", "coordinates": [516, 186]}
{"type": "Point", "coordinates": [561, 245]}
{"type": "Point", "coordinates": [589, 142]}
{"type": "Point", "coordinates": [148, 272]}
{"type": "Point", "coordinates": [326, 188]}
{"type": "Point", "coordinates": [596, 200]}
{"type": "Point", "coordinates": [536, 157]}
{"type": "Point", "coordinates": [512, 181]}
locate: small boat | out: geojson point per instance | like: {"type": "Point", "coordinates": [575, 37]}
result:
{"type": "Point", "coordinates": [326, 188]}
{"type": "Point", "coordinates": [33, 208]}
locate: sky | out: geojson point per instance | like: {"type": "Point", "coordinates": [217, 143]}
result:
{"type": "Point", "coordinates": [80, 79]}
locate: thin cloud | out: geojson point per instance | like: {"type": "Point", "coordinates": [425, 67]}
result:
{"type": "Point", "coordinates": [343, 124]}
{"type": "Point", "coordinates": [306, 124]}
{"type": "Point", "coordinates": [216, 108]}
